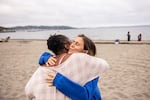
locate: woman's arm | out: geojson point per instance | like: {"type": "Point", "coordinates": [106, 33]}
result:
{"type": "Point", "coordinates": [74, 90]}
{"type": "Point", "coordinates": [44, 58]}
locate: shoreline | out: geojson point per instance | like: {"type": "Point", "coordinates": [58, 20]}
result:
{"type": "Point", "coordinates": [122, 42]}
{"type": "Point", "coordinates": [95, 41]}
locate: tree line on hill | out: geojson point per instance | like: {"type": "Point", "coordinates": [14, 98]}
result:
{"type": "Point", "coordinates": [28, 28]}
{"type": "Point", "coordinates": [4, 29]}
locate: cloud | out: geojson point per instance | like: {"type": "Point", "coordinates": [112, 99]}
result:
{"type": "Point", "coordinates": [78, 13]}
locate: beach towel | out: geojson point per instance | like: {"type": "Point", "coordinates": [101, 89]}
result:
{"type": "Point", "coordinates": [79, 67]}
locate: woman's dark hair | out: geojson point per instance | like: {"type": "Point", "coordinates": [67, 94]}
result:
{"type": "Point", "coordinates": [88, 45]}
{"type": "Point", "coordinates": [57, 43]}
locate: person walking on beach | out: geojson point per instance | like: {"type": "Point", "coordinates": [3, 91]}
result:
{"type": "Point", "coordinates": [129, 36]}
{"type": "Point", "coordinates": [140, 37]}
{"type": "Point", "coordinates": [37, 87]}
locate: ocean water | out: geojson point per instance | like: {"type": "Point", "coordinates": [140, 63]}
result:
{"type": "Point", "coordinates": [106, 33]}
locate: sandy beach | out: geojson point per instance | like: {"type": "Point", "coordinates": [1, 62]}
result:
{"type": "Point", "coordinates": [127, 79]}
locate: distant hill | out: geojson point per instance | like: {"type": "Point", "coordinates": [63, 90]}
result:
{"type": "Point", "coordinates": [4, 29]}
{"type": "Point", "coordinates": [42, 27]}
{"type": "Point", "coordinates": [31, 28]}
{"type": "Point", "coordinates": [34, 28]}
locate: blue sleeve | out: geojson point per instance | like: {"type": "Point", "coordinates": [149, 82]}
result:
{"type": "Point", "coordinates": [97, 94]}
{"type": "Point", "coordinates": [44, 57]}
{"type": "Point", "coordinates": [74, 90]}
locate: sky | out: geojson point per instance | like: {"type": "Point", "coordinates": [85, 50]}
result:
{"type": "Point", "coordinates": [75, 13]}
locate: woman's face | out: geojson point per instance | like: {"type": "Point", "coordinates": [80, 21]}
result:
{"type": "Point", "coordinates": [77, 45]}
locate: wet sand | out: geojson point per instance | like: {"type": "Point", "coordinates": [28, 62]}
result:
{"type": "Point", "coordinates": [127, 79]}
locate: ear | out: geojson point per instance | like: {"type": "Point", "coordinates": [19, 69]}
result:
{"type": "Point", "coordinates": [67, 46]}
{"type": "Point", "coordinates": [85, 51]}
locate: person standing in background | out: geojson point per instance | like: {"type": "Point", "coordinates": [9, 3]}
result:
{"type": "Point", "coordinates": [129, 36]}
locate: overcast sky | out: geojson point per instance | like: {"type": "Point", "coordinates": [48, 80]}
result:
{"type": "Point", "coordinates": [76, 13]}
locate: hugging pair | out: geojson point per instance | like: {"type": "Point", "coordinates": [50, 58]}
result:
{"type": "Point", "coordinates": [74, 75]}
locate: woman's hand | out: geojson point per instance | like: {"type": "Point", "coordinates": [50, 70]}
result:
{"type": "Point", "coordinates": [51, 62]}
{"type": "Point", "coordinates": [51, 77]}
